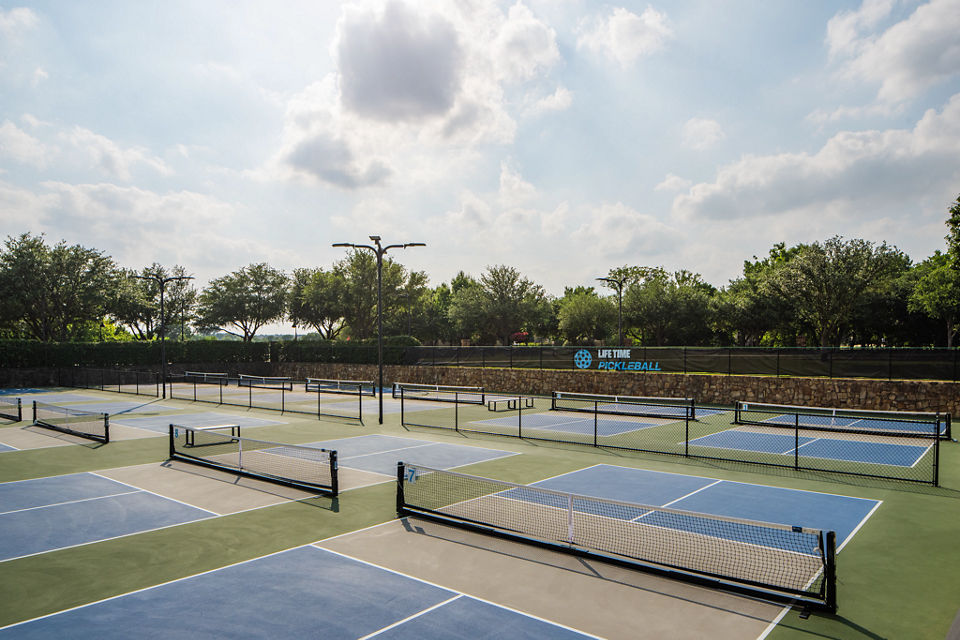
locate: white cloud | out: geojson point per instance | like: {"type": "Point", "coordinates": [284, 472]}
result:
{"type": "Point", "coordinates": [860, 173]}
{"type": "Point", "coordinates": [701, 133]}
{"type": "Point", "coordinates": [17, 20]}
{"type": "Point", "coordinates": [845, 30]}
{"type": "Point", "coordinates": [108, 156]}
{"type": "Point", "coordinates": [417, 88]}
{"type": "Point", "coordinates": [559, 100]}
{"type": "Point", "coordinates": [19, 146]}
{"type": "Point", "coordinates": [615, 230]}
{"type": "Point", "coordinates": [524, 45]}
{"type": "Point", "coordinates": [398, 64]}
{"type": "Point", "coordinates": [138, 226]}
{"type": "Point", "coordinates": [514, 190]}
{"type": "Point", "coordinates": [908, 57]}
{"type": "Point", "coordinates": [39, 75]}
{"type": "Point", "coordinates": [623, 36]}
{"type": "Point", "coordinates": [673, 183]}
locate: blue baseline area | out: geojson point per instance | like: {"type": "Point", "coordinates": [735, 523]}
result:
{"type": "Point", "coordinates": [25, 494]}
{"type": "Point", "coordinates": [116, 510]}
{"type": "Point", "coordinates": [887, 453]}
{"type": "Point", "coordinates": [161, 424]}
{"type": "Point", "coordinates": [859, 424]}
{"type": "Point", "coordinates": [569, 423]}
{"type": "Point", "coordinates": [380, 454]}
{"type": "Point", "coordinates": [301, 593]}
{"type": "Point", "coordinates": [829, 512]}
{"type": "Point", "coordinates": [4, 448]}
{"type": "Point", "coordinates": [121, 407]}
{"type": "Point", "coordinates": [16, 391]}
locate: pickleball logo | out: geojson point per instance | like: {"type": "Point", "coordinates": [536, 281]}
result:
{"type": "Point", "coordinates": [582, 359]}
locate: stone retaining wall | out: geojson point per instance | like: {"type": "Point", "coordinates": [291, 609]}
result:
{"type": "Point", "coordinates": [896, 395]}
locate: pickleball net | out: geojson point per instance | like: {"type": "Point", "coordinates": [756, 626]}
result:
{"type": "Point", "coordinates": [304, 467]}
{"type": "Point", "coordinates": [869, 422]}
{"type": "Point", "coordinates": [438, 393]}
{"type": "Point", "coordinates": [774, 561]}
{"type": "Point", "coordinates": [680, 408]}
{"type": "Point", "coordinates": [11, 408]}
{"type": "Point", "coordinates": [87, 424]}
{"type": "Point", "coordinates": [341, 387]}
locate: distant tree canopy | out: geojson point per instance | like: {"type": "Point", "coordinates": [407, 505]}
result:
{"type": "Point", "coordinates": [835, 292]}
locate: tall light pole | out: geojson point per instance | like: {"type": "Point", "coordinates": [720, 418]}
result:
{"type": "Point", "coordinates": [162, 283]}
{"type": "Point", "coordinates": [379, 251]}
{"type": "Point", "coordinates": [619, 283]}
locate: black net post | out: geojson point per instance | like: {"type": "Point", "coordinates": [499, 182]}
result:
{"type": "Point", "coordinates": [250, 395]}
{"type": "Point", "coordinates": [401, 406]}
{"type": "Point", "coordinates": [173, 446]}
{"type": "Point", "coordinates": [401, 472]}
{"type": "Point", "coordinates": [283, 399]}
{"type": "Point", "coordinates": [519, 418]}
{"type": "Point", "coordinates": [106, 427]}
{"type": "Point", "coordinates": [334, 474]}
{"type": "Point", "coordinates": [830, 571]}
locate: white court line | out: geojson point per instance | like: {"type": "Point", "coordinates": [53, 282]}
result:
{"type": "Point", "coordinates": [857, 528]}
{"type": "Point", "coordinates": [159, 495]}
{"type": "Point", "coordinates": [409, 618]}
{"type": "Point", "coordinates": [438, 586]}
{"type": "Point", "coordinates": [691, 493]}
{"type": "Point", "coordinates": [773, 624]}
{"type": "Point", "coordinates": [789, 451]}
{"type": "Point", "coordinates": [59, 504]}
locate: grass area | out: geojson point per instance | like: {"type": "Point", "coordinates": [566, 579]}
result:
{"type": "Point", "coordinates": [897, 577]}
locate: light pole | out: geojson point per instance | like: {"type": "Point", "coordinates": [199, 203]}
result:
{"type": "Point", "coordinates": [619, 283]}
{"type": "Point", "coordinates": [379, 251]}
{"type": "Point", "coordinates": [162, 283]}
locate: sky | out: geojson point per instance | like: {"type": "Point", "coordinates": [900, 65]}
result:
{"type": "Point", "coordinates": [562, 138]}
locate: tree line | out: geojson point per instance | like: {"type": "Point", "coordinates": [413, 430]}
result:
{"type": "Point", "coordinates": [830, 293]}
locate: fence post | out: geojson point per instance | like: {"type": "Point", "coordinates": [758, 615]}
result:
{"type": "Point", "coordinates": [796, 440]}
{"type": "Point", "coordinates": [778, 362]}
{"type": "Point", "coordinates": [456, 411]}
{"type": "Point", "coordinates": [684, 360]}
{"type": "Point", "coordinates": [510, 351]}
{"type": "Point", "coordinates": [889, 364]}
{"type": "Point", "coordinates": [595, 409]}
{"type": "Point", "coordinates": [729, 365]}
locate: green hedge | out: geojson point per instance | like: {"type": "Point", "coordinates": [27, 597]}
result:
{"type": "Point", "coordinates": [28, 354]}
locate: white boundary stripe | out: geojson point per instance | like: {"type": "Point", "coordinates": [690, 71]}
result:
{"type": "Point", "coordinates": [408, 618]}
{"type": "Point", "coordinates": [13, 448]}
{"type": "Point", "coordinates": [773, 624]}
{"type": "Point", "coordinates": [60, 504]}
{"type": "Point", "coordinates": [186, 504]}
{"type": "Point", "coordinates": [155, 586]}
{"type": "Point", "coordinates": [461, 593]}
{"type": "Point", "coordinates": [857, 528]}
{"type": "Point", "coordinates": [691, 493]}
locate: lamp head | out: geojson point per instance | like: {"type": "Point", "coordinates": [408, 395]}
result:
{"type": "Point", "coordinates": [375, 238]}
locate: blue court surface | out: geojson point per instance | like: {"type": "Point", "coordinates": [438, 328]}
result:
{"type": "Point", "coordinates": [64, 511]}
{"type": "Point", "coordinates": [121, 407]}
{"type": "Point", "coordinates": [859, 424]}
{"type": "Point", "coordinates": [665, 411]}
{"type": "Point", "coordinates": [4, 447]}
{"type": "Point", "coordinates": [161, 424]}
{"type": "Point", "coordinates": [380, 454]}
{"type": "Point", "coordinates": [791, 507]}
{"type": "Point", "coordinates": [304, 592]}
{"type": "Point", "coordinates": [570, 423]}
{"type": "Point", "coordinates": [888, 453]}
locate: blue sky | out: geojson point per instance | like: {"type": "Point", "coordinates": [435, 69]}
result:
{"type": "Point", "coordinates": [562, 138]}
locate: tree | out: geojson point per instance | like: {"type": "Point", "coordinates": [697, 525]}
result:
{"type": "Point", "coordinates": [136, 304]}
{"type": "Point", "coordinates": [953, 233]}
{"type": "Point", "coordinates": [52, 293]}
{"type": "Point", "coordinates": [583, 316]}
{"type": "Point", "coordinates": [359, 275]}
{"type": "Point", "coordinates": [937, 292]}
{"type": "Point", "coordinates": [316, 300]}
{"type": "Point", "coordinates": [500, 304]}
{"type": "Point", "coordinates": [826, 282]}
{"type": "Point", "coordinates": [670, 308]}
{"type": "Point", "coordinates": [244, 300]}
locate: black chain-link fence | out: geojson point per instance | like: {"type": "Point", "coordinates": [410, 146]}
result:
{"type": "Point", "coordinates": [889, 364]}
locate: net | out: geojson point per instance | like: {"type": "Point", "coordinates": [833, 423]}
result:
{"type": "Point", "coordinates": [893, 423]}
{"type": "Point", "coordinates": [266, 382]}
{"type": "Point", "coordinates": [11, 408]}
{"type": "Point", "coordinates": [204, 376]}
{"type": "Point", "coordinates": [771, 560]}
{"type": "Point", "coordinates": [88, 424]}
{"type": "Point", "coordinates": [299, 466]}
{"type": "Point", "coordinates": [438, 393]}
{"type": "Point", "coordinates": [345, 387]}
{"type": "Point", "coordinates": [680, 408]}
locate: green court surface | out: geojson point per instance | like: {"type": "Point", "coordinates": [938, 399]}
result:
{"type": "Point", "coordinates": [897, 576]}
